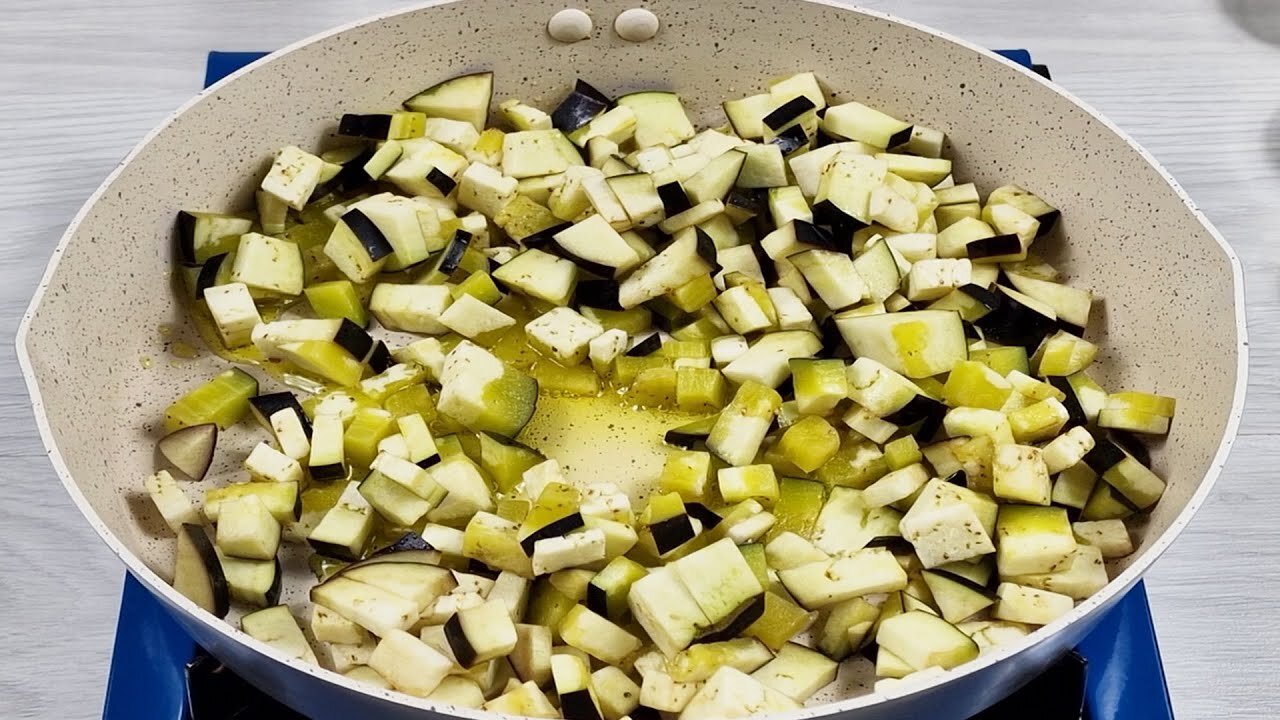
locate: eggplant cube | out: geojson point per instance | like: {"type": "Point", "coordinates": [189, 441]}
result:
{"type": "Point", "coordinates": [572, 677]}
{"type": "Point", "coordinates": [740, 309]}
{"type": "Point", "coordinates": [1085, 575]}
{"type": "Point", "coordinates": [246, 529]}
{"type": "Point", "coordinates": [666, 610]}
{"type": "Point", "coordinates": [481, 633]}
{"type": "Point", "coordinates": [1018, 603]}
{"type": "Point", "coordinates": [277, 627]}
{"type": "Point", "coordinates": [871, 570]}
{"type": "Point", "coordinates": [563, 334]}
{"type": "Point", "coordinates": [1021, 475]}
{"type": "Point", "coordinates": [457, 135]}
{"type": "Point", "coordinates": [944, 528]}
{"type": "Point", "coordinates": [172, 503]}
{"type": "Point", "coordinates": [466, 491]}
{"type": "Point", "coordinates": [731, 693]}
{"type": "Point", "coordinates": [1109, 536]}
{"type": "Point", "coordinates": [410, 665]}
{"type": "Point", "coordinates": [346, 528]}
{"type": "Point", "coordinates": [268, 265]}
{"type": "Point", "coordinates": [597, 636]}
{"type": "Point", "coordinates": [1040, 421]}
{"type": "Point", "coordinates": [719, 579]}
{"type": "Point", "coordinates": [540, 275]}
{"type": "Point", "coordinates": [604, 348]}
{"type": "Point", "coordinates": [658, 690]}
{"type": "Point", "coordinates": [932, 279]}
{"type": "Point", "coordinates": [797, 672]}
{"type": "Point", "coordinates": [266, 464]}
{"type": "Point", "coordinates": [525, 700]}
{"type": "Point", "coordinates": [485, 190]}
{"type": "Point", "coordinates": [1033, 540]}
{"type": "Point", "coordinates": [616, 692]}
{"type": "Point", "coordinates": [234, 312]}
{"type": "Point", "coordinates": [329, 627]}
{"type": "Point", "coordinates": [572, 550]}
{"type": "Point", "coordinates": [413, 172]}
{"type": "Point", "coordinates": [472, 318]}
{"type": "Point", "coordinates": [411, 308]}
{"type": "Point", "coordinates": [293, 176]}
{"type": "Point", "coordinates": [740, 429]}
{"type": "Point", "coordinates": [290, 434]}
{"type": "Point", "coordinates": [923, 640]}
{"type": "Point", "coordinates": [878, 388]}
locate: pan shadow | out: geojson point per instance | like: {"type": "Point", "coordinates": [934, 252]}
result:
{"type": "Point", "coordinates": [1259, 18]}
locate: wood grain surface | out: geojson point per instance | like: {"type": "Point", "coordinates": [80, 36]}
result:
{"type": "Point", "coordinates": [1196, 81]}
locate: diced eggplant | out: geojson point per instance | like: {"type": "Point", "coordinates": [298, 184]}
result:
{"type": "Point", "coordinates": [922, 640]}
{"type": "Point", "coordinates": [730, 693]}
{"type": "Point", "coordinates": [582, 104]}
{"type": "Point", "coordinates": [198, 573]}
{"type": "Point", "coordinates": [277, 627]}
{"type": "Point", "coordinates": [465, 98]}
{"type": "Point", "coordinates": [917, 344]}
{"type": "Point", "coordinates": [189, 450]}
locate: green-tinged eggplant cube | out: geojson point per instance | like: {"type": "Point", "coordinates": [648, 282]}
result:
{"type": "Point", "coordinates": [896, 486]}
{"type": "Point", "coordinates": [1063, 354]}
{"type": "Point", "coordinates": [1032, 540]}
{"type": "Point", "coordinates": [480, 286]}
{"type": "Point", "coordinates": [482, 393]}
{"type": "Point", "coordinates": [782, 620]}
{"type": "Point", "coordinates": [337, 299]}
{"type": "Point", "coordinates": [326, 360]}
{"type": "Point", "coordinates": [655, 387]}
{"type": "Point", "coordinates": [857, 464]}
{"type": "Point", "coordinates": [492, 540]}
{"type": "Point", "coordinates": [1003, 360]}
{"type": "Point", "coordinates": [1074, 486]}
{"type": "Point", "coordinates": [694, 294]}
{"type": "Point", "coordinates": [1018, 603]}
{"type": "Point", "coordinates": [368, 428]}
{"type": "Point", "coordinates": [1111, 537]}
{"type": "Point", "coordinates": [845, 627]}
{"type": "Point", "coordinates": [1034, 390]}
{"type": "Point", "coordinates": [626, 368]}
{"type": "Point", "coordinates": [1041, 421]}
{"type": "Point", "coordinates": [902, 452]}
{"type": "Point", "coordinates": [758, 482]}
{"type": "Point", "coordinates": [700, 389]}
{"type": "Point", "coordinates": [688, 473]}
{"type": "Point", "coordinates": [718, 578]}
{"type": "Point", "coordinates": [974, 384]}
{"type": "Point", "coordinates": [799, 503]}
{"type": "Point", "coordinates": [1133, 420]}
{"type": "Point", "coordinates": [607, 591]}
{"type": "Point", "coordinates": [976, 422]}
{"type": "Point", "coordinates": [1135, 482]}
{"type": "Point", "coordinates": [819, 384]}
{"type": "Point", "coordinates": [741, 427]}
{"type": "Point", "coordinates": [222, 400]}
{"type": "Point", "coordinates": [878, 388]}
{"type": "Point", "coordinates": [809, 443]}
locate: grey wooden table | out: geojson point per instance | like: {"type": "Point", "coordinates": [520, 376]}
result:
{"type": "Point", "coordinates": [1196, 81]}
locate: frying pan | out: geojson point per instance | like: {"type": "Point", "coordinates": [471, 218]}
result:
{"type": "Point", "coordinates": [1171, 316]}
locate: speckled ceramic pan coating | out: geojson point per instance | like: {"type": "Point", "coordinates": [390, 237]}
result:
{"type": "Point", "coordinates": [1171, 317]}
